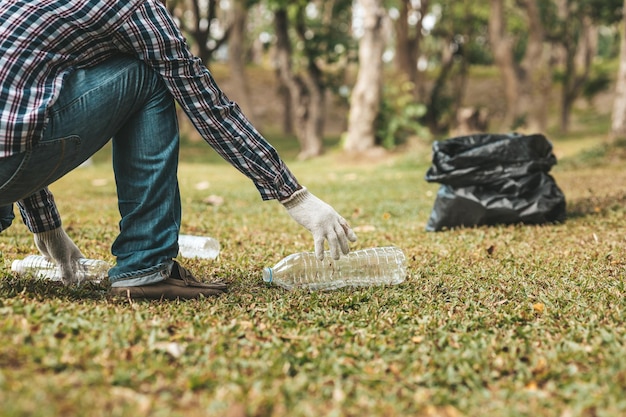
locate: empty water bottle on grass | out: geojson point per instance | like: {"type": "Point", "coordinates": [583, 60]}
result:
{"type": "Point", "coordinates": [38, 266]}
{"type": "Point", "coordinates": [361, 268]}
{"type": "Point", "coordinates": [203, 247]}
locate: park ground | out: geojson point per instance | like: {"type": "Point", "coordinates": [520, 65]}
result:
{"type": "Point", "coordinates": [511, 320]}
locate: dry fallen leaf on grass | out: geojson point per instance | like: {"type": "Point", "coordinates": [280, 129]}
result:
{"type": "Point", "coordinates": [202, 185]}
{"type": "Point", "coordinates": [99, 182]}
{"type": "Point", "coordinates": [365, 228]}
{"type": "Point", "coordinates": [213, 200]}
{"type": "Point", "coordinates": [538, 308]}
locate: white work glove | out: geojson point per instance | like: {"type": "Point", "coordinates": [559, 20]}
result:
{"type": "Point", "coordinates": [322, 221]}
{"type": "Point", "coordinates": [57, 247]}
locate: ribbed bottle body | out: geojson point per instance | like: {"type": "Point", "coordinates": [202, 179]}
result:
{"type": "Point", "coordinates": [39, 267]}
{"type": "Point", "coordinates": [365, 267]}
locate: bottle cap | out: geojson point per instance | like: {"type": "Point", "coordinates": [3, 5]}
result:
{"type": "Point", "coordinates": [268, 275]}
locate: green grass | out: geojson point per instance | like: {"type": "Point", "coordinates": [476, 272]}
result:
{"type": "Point", "coordinates": [491, 321]}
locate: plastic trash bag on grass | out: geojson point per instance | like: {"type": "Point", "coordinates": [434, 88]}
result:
{"type": "Point", "coordinates": [489, 179]}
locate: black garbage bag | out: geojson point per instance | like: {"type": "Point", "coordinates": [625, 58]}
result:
{"type": "Point", "coordinates": [490, 179]}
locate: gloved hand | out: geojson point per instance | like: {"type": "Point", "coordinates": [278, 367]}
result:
{"type": "Point", "coordinates": [57, 247]}
{"type": "Point", "coordinates": [322, 221]}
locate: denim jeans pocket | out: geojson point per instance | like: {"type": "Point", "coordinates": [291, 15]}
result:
{"type": "Point", "coordinates": [10, 168]}
{"type": "Point", "coordinates": [24, 174]}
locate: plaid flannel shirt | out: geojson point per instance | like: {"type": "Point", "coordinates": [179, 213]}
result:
{"type": "Point", "coordinates": [42, 42]}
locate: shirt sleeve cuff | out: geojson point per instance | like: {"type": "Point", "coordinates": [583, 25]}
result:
{"type": "Point", "coordinates": [39, 212]}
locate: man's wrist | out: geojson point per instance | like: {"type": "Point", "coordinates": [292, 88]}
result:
{"type": "Point", "coordinates": [296, 198]}
{"type": "Point", "coordinates": [50, 233]}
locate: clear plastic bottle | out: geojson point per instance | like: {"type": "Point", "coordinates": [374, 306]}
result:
{"type": "Point", "coordinates": [365, 267]}
{"type": "Point", "coordinates": [39, 267]}
{"type": "Point", "coordinates": [190, 246]}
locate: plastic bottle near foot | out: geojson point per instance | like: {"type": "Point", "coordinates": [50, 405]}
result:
{"type": "Point", "coordinates": [93, 270]}
{"type": "Point", "coordinates": [96, 270]}
{"type": "Point", "coordinates": [365, 267]}
{"type": "Point", "coordinates": [203, 247]}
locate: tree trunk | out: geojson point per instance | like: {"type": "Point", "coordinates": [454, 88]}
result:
{"type": "Point", "coordinates": [365, 99]}
{"type": "Point", "coordinates": [618, 120]}
{"type": "Point", "coordinates": [433, 118]}
{"type": "Point", "coordinates": [537, 73]}
{"type": "Point", "coordinates": [236, 57]}
{"type": "Point", "coordinates": [195, 19]}
{"type": "Point", "coordinates": [503, 54]}
{"type": "Point", "coordinates": [408, 40]}
{"type": "Point", "coordinates": [307, 99]}
{"type": "Point", "coordinates": [306, 95]}
{"type": "Point", "coordinates": [285, 99]}
{"type": "Point", "coordinates": [579, 52]}
{"type": "Point", "coordinates": [201, 34]}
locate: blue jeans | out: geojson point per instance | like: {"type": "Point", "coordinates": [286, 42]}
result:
{"type": "Point", "coordinates": [6, 216]}
{"type": "Point", "coordinates": [125, 101]}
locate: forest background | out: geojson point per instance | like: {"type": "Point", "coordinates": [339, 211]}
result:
{"type": "Point", "coordinates": [378, 74]}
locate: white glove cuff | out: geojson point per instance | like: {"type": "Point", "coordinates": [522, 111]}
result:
{"type": "Point", "coordinates": [53, 234]}
{"type": "Point", "coordinates": [296, 198]}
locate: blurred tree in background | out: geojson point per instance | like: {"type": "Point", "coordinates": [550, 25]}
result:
{"type": "Point", "coordinates": [546, 54]}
